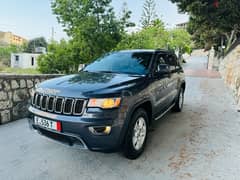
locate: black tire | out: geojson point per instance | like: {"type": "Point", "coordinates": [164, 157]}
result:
{"type": "Point", "coordinates": [179, 101]}
{"type": "Point", "coordinates": [129, 148]}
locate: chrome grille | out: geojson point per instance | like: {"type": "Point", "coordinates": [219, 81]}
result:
{"type": "Point", "coordinates": [60, 105]}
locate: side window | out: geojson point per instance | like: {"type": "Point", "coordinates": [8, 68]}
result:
{"type": "Point", "coordinates": [160, 63]}
{"type": "Point", "coordinates": [171, 60]}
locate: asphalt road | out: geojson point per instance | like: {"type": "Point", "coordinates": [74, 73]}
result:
{"type": "Point", "coordinates": [200, 143]}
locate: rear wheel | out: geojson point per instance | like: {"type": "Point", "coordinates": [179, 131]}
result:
{"type": "Point", "coordinates": [137, 134]}
{"type": "Point", "coordinates": [179, 102]}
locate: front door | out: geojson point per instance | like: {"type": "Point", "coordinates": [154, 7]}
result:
{"type": "Point", "coordinates": [162, 77]}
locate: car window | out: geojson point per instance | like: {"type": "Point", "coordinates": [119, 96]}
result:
{"type": "Point", "coordinates": [171, 60]}
{"type": "Point", "coordinates": [160, 62]}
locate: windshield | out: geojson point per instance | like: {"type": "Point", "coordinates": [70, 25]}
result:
{"type": "Point", "coordinates": [122, 62]}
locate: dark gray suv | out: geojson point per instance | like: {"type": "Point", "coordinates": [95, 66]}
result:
{"type": "Point", "coordinates": [110, 104]}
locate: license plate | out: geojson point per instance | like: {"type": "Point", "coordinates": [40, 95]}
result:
{"type": "Point", "coordinates": [54, 125]}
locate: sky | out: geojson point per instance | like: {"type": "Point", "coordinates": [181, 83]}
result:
{"type": "Point", "coordinates": [34, 18]}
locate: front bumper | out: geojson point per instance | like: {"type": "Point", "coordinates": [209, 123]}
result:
{"type": "Point", "coordinates": [75, 129]}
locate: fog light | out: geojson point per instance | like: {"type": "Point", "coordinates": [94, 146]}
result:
{"type": "Point", "coordinates": [100, 130]}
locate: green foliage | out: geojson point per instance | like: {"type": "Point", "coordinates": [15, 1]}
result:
{"type": "Point", "coordinates": [60, 58]}
{"type": "Point", "coordinates": [93, 29]}
{"type": "Point", "coordinates": [151, 37]}
{"type": "Point", "coordinates": [92, 24]}
{"type": "Point", "coordinates": [180, 40]}
{"type": "Point", "coordinates": [37, 42]}
{"type": "Point", "coordinates": [156, 36]}
{"type": "Point", "coordinates": [214, 23]}
{"type": "Point", "coordinates": [125, 16]}
{"type": "Point", "coordinates": [5, 53]}
{"type": "Point", "coordinates": [149, 13]}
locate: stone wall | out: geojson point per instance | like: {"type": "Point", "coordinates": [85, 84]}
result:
{"type": "Point", "coordinates": [15, 92]}
{"type": "Point", "coordinates": [230, 71]}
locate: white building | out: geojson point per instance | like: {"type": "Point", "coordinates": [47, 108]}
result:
{"type": "Point", "coordinates": [24, 60]}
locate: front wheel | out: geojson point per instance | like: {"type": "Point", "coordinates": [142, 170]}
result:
{"type": "Point", "coordinates": [137, 134]}
{"type": "Point", "coordinates": [179, 102]}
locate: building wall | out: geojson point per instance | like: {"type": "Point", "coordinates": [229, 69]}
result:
{"type": "Point", "coordinates": [7, 38]}
{"type": "Point", "coordinates": [15, 93]}
{"type": "Point", "coordinates": [24, 60]}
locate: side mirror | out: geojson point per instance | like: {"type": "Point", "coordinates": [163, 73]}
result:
{"type": "Point", "coordinates": [163, 70]}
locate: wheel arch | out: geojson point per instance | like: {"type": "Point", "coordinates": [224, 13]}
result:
{"type": "Point", "coordinates": [145, 104]}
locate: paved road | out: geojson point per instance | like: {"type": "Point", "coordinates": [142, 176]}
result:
{"type": "Point", "coordinates": [201, 143]}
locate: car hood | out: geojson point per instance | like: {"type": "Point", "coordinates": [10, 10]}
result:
{"type": "Point", "coordinates": [88, 84]}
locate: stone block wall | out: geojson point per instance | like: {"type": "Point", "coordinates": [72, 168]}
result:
{"type": "Point", "coordinates": [230, 71]}
{"type": "Point", "coordinates": [15, 93]}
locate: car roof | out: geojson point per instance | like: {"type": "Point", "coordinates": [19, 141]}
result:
{"type": "Point", "coordinates": [147, 50]}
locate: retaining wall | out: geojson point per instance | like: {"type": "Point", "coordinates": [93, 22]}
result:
{"type": "Point", "coordinates": [15, 93]}
{"type": "Point", "coordinates": [230, 71]}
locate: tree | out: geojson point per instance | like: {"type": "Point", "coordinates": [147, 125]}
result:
{"type": "Point", "coordinates": [220, 17]}
{"type": "Point", "coordinates": [91, 24]}
{"type": "Point", "coordinates": [5, 53]}
{"type": "Point", "coordinates": [125, 16]}
{"type": "Point", "coordinates": [60, 59]}
{"type": "Point", "coordinates": [156, 36]}
{"type": "Point", "coordinates": [151, 37]}
{"type": "Point", "coordinates": [149, 13]}
{"type": "Point", "coordinates": [36, 42]}
{"type": "Point", "coordinates": [180, 40]}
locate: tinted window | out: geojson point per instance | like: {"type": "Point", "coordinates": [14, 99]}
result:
{"type": "Point", "coordinates": [171, 60]}
{"type": "Point", "coordinates": [161, 62]}
{"type": "Point", "coordinates": [122, 62]}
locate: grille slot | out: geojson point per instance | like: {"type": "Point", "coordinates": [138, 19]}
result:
{"type": "Point", "coordinates": [44, 102]}
{"type": "Point", "coordinates": [78, 107]}
{"type": "Point", "coordinates": [68, 106]}
{"type": "Point", "coordinates": [38, 100]}
{"type": "Point", "coordinates": [34, 99]}
{"type": "Point", "coordinates": [50, 104]}
{"type": "Point", "coordinates": [58, 105]}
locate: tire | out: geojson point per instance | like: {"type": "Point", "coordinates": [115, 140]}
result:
{"type": "Point", "coordinates": [179, 101]}
{"type": "Point", "coordinates": [136, 137]}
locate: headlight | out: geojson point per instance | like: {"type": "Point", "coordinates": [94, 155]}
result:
{"type": "Point", "coordinates": [106, 103]}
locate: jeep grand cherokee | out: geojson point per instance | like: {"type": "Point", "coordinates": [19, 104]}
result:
{"type": "Point", "coordinates": [110, 104]}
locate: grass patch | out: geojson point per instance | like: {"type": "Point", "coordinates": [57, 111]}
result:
{"type": "Point", "coordinates": [19, 71]}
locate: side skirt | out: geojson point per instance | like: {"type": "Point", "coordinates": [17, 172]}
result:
{"type": "Point", "coordinates": [161, 115]}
